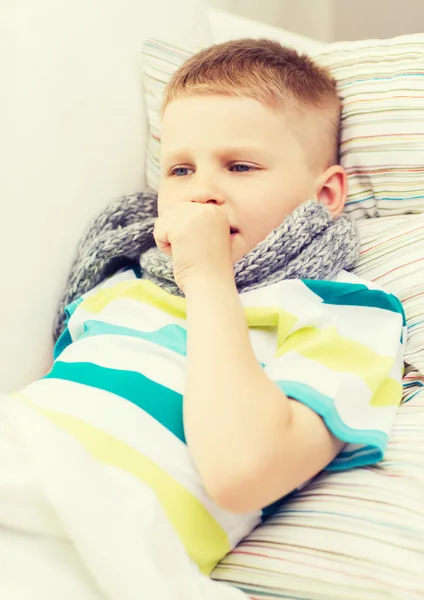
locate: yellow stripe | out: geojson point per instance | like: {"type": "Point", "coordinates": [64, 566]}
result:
{"type": "Point", "coordinates": [270, 316]}
{"type": "Point", "coordinates": [204, 539]}
{"type": "Point", "coordinates": [338, 353]}
{"type": "Point", "coordinates": [147, 292]}
{"type": "Point", "coordinates": [388, 394]}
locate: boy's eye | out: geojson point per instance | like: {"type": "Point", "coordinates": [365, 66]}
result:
{"type": "Point", "coordinates": [242, 168]}
{"type": "Point", "coordinates": [237, 168]}
{"type": "Point", "coordinates": [180, 171]}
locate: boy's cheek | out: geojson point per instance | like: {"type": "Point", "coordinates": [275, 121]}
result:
{"type": "Point", "coordinates": [164, 199]}
{"type": "Point", "coordinates": [168, 196]}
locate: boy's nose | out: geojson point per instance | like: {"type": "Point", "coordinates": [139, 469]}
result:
{"type": "Point", "coordinates": [205, 196]}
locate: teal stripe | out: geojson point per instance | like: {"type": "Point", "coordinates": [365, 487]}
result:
{"type": "Point", "coordinates": [65, 337]}
{"type": "Point", "coordinates": [375, 441]}
{"type": "Point", "coordinates": [354, 294]}
{"type": "Point", "coordinates": [163, 404]}
{"type": "Point", "coordinates": [71, 308]}
{"type": "Point", "coordinates": [172, 337]}
{"type": "Point", "coordinates": [135, 268]}
{"type": "Point", "coordinates": [63, 342]}
{"type": "Point", "coordinates": [369, 456]}
{"type": "Point", "coordinates": [269, 510]}
{"type": "Point", "coordinates": [348, 454]}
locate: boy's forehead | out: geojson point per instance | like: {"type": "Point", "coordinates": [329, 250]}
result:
{"type": "Point", "coordinates": [231, 123]}
{"type": "Point", "coordinates": [174, 151]}
{"type": "Point", "coordinates": [195, 106]}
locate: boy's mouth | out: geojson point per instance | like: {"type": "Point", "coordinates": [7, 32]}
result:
{"type": "Point", "coordinates": [233, 231]}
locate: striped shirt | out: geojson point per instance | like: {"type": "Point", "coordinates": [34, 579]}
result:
{"type": "Point", "coordinates": [118, 377]}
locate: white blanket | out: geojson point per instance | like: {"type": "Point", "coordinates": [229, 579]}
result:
{"type": "Point", "coordinates": [74, 528]}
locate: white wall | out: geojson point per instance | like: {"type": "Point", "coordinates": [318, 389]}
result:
{"type": "Point", "coordinates": [332, 20]}
{"type": "Point", "coordinates": [362, 19]}
{"type": "Point", "coordinates": [309, 17]}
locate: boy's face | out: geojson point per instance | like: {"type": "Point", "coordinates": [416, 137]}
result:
{"type": "Point", "coordinates": [238, 154]}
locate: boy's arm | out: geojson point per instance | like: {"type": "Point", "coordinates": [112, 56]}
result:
{"type": "Point", "coordinates": [251, 444]}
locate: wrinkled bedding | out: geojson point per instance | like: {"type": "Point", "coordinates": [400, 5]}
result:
{"type": "Point", "coordinates": [73, 527]}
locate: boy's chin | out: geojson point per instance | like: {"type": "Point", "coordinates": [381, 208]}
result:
{"type": "Point", "coordinates": [241, 247]}
{"type": "Point", "coordinates": [237, 247]}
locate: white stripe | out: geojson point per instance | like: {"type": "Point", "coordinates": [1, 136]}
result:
{"type": "Point", "coordinates": [127, 312]}
{"type": "Point", "coordinates": [350, 393]}
{"type": "Point", "coordinates": [127, 422]}
{"type": "Point", "coordinates": [264, 343]}
{"type": "Point", "coordinates": [291, 295]}
{"type": "Point", "coordinates": [131, 354]}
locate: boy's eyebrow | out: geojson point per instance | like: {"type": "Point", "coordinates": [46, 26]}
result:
{"type": "Point", "coordinates": [225, 151]}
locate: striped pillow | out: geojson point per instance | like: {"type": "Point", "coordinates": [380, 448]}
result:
{"type": "Point", "coordinates": [381, 83]}
{"type": "Point", "coordinates": [392, 255]}
{"type": "Point", "coordinates": [160, 60]}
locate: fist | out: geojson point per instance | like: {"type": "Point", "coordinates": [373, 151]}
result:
{"type": "Point", "coordinates": [197, 236]}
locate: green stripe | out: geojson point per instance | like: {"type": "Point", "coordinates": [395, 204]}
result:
{"type": "Point", "coordinates": [354, 294]}
{"type": "Point", "coordinates": [163, 404]}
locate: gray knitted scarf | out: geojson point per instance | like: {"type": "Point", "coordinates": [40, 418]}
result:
{"type": "Point", "coordinates": [309, 244]}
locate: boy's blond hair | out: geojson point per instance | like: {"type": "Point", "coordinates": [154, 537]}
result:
{"type": "Point", "coordinates": [276, 76]}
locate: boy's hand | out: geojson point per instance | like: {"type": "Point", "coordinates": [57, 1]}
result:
{"type": "Point", "coordinates": [197, 236]}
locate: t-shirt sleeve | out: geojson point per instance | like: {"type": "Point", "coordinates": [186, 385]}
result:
{"type": "Point", "coordinates": [345, 362]}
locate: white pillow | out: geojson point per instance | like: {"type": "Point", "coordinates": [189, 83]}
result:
{"type": "Point", "coordinates": [73, 134]}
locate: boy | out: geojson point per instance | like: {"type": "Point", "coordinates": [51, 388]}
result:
{"type": "Point", "coordinates": [271, 117]}
{"type": "Point", "coordinates": [240, 392]}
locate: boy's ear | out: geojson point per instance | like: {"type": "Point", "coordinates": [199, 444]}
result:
{"type": "Point", "coordinates": [332, 189]}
